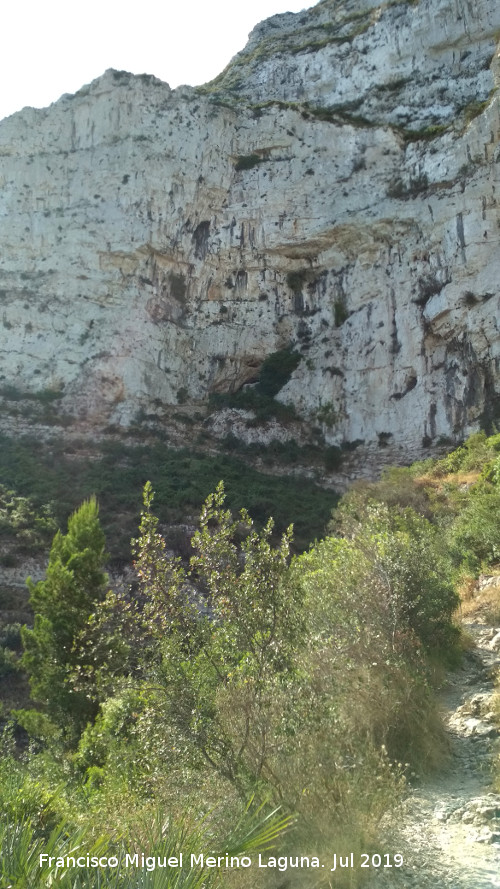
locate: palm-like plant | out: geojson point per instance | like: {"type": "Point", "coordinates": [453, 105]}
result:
{"type": "Point", "coordinates": [20, 850]}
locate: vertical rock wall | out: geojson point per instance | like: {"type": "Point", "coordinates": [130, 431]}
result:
{"type": "Point", "coordinates": [333, 191]}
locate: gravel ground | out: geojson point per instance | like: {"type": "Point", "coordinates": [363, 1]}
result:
{"type": "Point", "coordinates": [449, 830]}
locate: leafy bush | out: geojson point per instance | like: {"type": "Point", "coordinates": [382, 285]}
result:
{"type": "Point", "coordinates": [410, 554]}
{"type": "Point", "coordinates": [475, 534]}
{"type": "Point", "coordinates": [24, 799]}
{"type": "Point", "coordinates": [10, 635]}
{"type": "Point", "coordinates": [303, 681]}
{"type": "Point", "coordinates": [259, 688]}
{"type": "Point", "coordinates": [19, 519]}
{"type": "Point", "coordinates": [477, 451]}
{"type": "Point", "coordinates": [242, 649]}
{"type": "Point", "coordinates": [365, 643]}
{"type": "Point", "coordinates": [333, 458]}
{"type": "Point", "coordinates": [341, 313]}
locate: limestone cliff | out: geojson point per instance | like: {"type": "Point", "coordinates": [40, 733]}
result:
{"type": "Point", "coordinates": [333, 191]}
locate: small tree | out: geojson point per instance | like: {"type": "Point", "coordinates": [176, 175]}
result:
{"type": "Point", "coordinates": [62, 604]}
{"type": "Point", "coordinates": [223, 660]}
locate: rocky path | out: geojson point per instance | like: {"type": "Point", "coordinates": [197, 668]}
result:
{"type": "Point", "coordinates": [450, 833]}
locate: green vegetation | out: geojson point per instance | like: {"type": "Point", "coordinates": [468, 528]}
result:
{"type": "Point", "coordinates": [178, 286]}
{"type": "Point", "coordinates": [21, 846]}
{"type": "Point", "coordinates": [289, 695]}
{"type": "Point", "coordinates": [21, 523]}
{"type": "Point", "coordinates": [44, 396]}
{"type": "Point", "coordinates": [248, 161]}
{"type": "Point", "coordinates": [274, 374]}
{"type": "Point", "coordinates": [289, 452]}
{"type": "Point", "coordinates": [276, 371]}
{"type": "Point", "coordinates": [63, 476]}
{"type": "Point", "coordinates": [474, 109]}
{"type": "Point", "coordinates": [399, 189]}
{"type": "Point", "coordinates": [341, 313]}
{"type": "Point", "coordinates": [296, 280]}
{"type": "Point", "coordinates": [41, 404]}
{"type": "Point", "coordinates": [62, 605]}
{"type": "Point", "coordinates": [432, 131]}
{"type": "Point", "coordinates": [327, 415]}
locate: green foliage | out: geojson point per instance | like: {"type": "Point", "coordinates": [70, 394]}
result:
{"type": "Point", "coordinates": [8, 662]}
{"type": "Point", "coordinates": [327, 415]}
{"type": "Point", "coordinates": [182, 479]}
{"type": "Point", "coordinates": [232, 676]}
{"type": "Point", "coordinates": [409, 553]}
{"type": "Point", "coordinates": [240, 672]}
{"type": "Point", "coordinates": [36, 724]}
{"type": "Point", "coordinates": [333, 458]}
{"type": "Point", "coordinates": [21, 521]}
{"type": "Point", "coordinates": [432, 131]}
{"type": "Point", "coordinates": [474, 109]}
{"type": "Point", "coordinates": [24, 799]}
{"type": "Point", "coordinates": [62, 604]}
{"type": "Point", "coordinates": [276, 371]}
{"type": "Point", "coordinates": [473, 455]}
{"type": "Point", "coordinates": [295, 280]}
{"type": "Point", "coordinates": [265, 407]}
{"type": "Point", "coordinates": [288, 452]}
{"type": "Point", "coordinates": [239, 650]}
{"type": "Point", "coordinates": [418, 571]}
{"type": "Point", "coordinates": [44, 396]}
{"type": "Point", "coordinates": [10, 635]}
{"type": "Point", "coordinates": [360, 624]}
{"type": "Point", "coordinates": [475, 534]}
{"type": "Point", "coordinates": [470, 501]}
{"type": "Point", "coordinates": [340, 312]}
{"type": "Point", "coordinates": [21, 867]}
{"type": "Point", "coordinates": [248, 161]}
{"type": "Point", "coordinates": [101, 742]}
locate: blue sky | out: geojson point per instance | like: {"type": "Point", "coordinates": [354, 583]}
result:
{"type": "Point", "coordinates": [51, 47]}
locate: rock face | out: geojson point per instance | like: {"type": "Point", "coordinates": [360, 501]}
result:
{"type": "Point", "coordinates": [333, 191]}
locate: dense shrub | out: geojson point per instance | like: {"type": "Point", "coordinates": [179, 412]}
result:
{"type": "Point", "coordinates": [276, 370]}
{"type": "Point", "coordinates": [477, 451]}
{"type": "Point", "coordinates": [287, 666]}
{"type": "Point", "coordinates": [10, 635]}
{"type": "Point", "coordinates": [8, 661]}
{"type": "Point", "coordinates": [475, 534]}
{"type": "Point", "coordinates": [182, 480]}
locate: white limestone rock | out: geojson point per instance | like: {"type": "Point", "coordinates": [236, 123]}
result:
{"type": "Point", "coordinates": [157, 245]}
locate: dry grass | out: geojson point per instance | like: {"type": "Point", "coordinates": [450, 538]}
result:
{"type": "Point", "coordinates": [463, 480]}
{"type": "Point", "coordinates": [483, 604]}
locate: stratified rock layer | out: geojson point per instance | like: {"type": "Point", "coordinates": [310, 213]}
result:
{"type": "Point", "coordinates": [334, 190]}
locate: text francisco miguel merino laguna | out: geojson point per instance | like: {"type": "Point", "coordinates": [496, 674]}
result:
{"type": "Point", "coordinates": [150, 862]}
